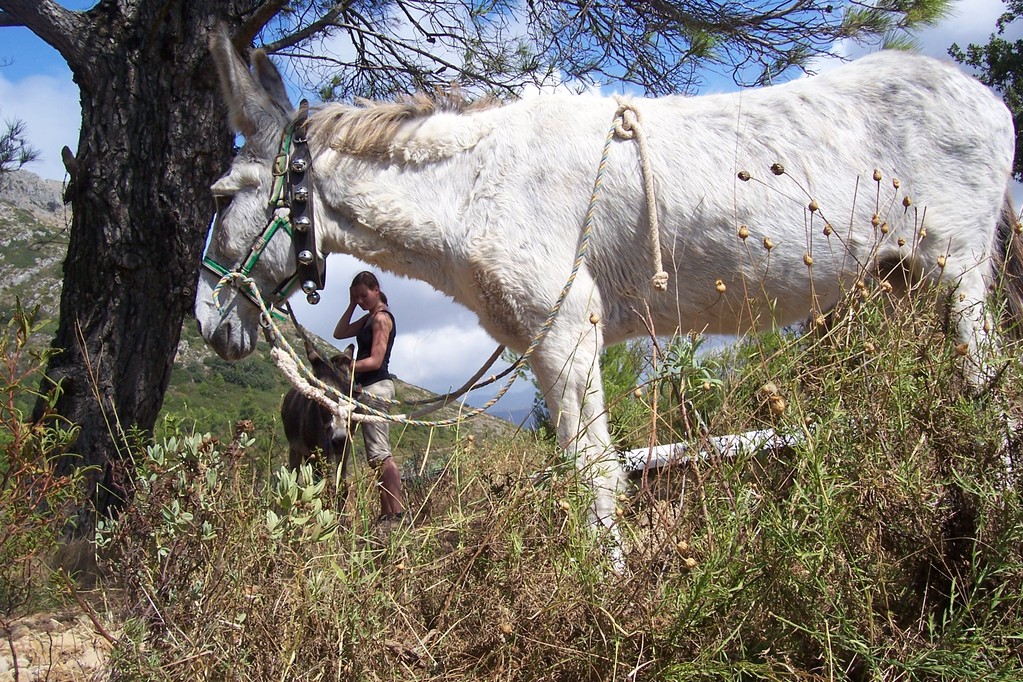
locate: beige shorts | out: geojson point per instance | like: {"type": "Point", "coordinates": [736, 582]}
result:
{"type": "Point", "coordinates": [375, 434]}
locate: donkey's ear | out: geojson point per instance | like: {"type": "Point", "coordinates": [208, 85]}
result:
{"type": "Point", "coordinates": [344, 359]}
{"type": "Point", "coordinates": [311, 352]}
{"type": "Point", "coordinates": [270, 78]}
{"type": "Point", "coordinates": [255, 112]}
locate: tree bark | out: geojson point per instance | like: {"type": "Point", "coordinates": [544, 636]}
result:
{"type": "Point", "coordinates": [153, 139]}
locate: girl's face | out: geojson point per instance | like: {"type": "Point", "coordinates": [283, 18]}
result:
{"type": "Point", "coordinates": [364, 297]}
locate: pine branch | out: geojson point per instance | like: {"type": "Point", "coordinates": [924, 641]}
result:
{"type": "Point", "coordinates": [57, 26]}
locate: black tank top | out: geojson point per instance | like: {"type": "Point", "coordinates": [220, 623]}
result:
{"type": "Point", "coordinates": [365, 340]}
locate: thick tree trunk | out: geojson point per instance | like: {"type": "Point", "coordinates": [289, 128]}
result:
{"type": "Point", "coordinates": [153, 139]}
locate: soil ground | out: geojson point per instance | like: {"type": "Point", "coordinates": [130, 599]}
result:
{"type": "Point", "coordinates": [57, 647]}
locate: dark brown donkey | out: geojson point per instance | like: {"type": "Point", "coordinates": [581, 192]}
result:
{"type": "Point", "coordinates": [312, 435]}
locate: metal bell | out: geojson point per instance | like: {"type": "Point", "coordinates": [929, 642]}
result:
{"type": "Point", "coordinates": [305, 256]}
{"type": "Point", "coordinates": [302, 224]}
{"type": "Point", "coordinates": [301, 194]}
{"type": "Point", "coordinates": [309, 287]}
{"type": "Point", "coordinates": [313, 298]}
{"type": "Point", "coordinates": [299, 165]}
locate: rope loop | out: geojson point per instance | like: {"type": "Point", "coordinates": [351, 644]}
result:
{"type": "Point", "coordinates": [229, 278]}
{"type": "Point", "coordinates": [629, 126]}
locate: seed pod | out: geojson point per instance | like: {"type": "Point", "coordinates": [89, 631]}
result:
{"type": "Point", "coordinates": [690, 562]}
{"type": "Point", "coordinates": [923, 232]}
{"type": "Point", "coordinates": [619, 512]}
{"type": "Point", "coordinates": [901, 241]}
{"type": "Point", "coordinates": [884, 228]}
{"type": "Point", "coordinates": [743, 232]}
{"type": "Point", "coordinates": [907, 202]}
{"type": "Point", "coordinates": [886, 286]}
{"type": "Point", "coordinates": [777, 169]}
{"type": "Point", "coordinates": [827, 229]}
{"type": "Point", "coordinates": [638, 393]}
{"type": "Point", "coordinates": [777, 404]}
{"type": "Point", "coordinates": [720, 286]}
{"type": "Point", "coordinates": [813, 206]}
{"type": "Point", "coordinates": [506, 628]}
{"type": "Point", "coordinates": [565, 506]}
{"type": "Point", "coordinates": [744, 176]}
{"type": "Point", "coordinates": [963, 349]}
{"type": "Point", "coordinates": [707, 386]}
{"type": "Point", "coordinates": [808, 260]}
{"type": "Point", "coordinates": [869, 347]}
{"type": "Point", "coordinates": [860, 284]}
{"type": "Point", "coordinates": [682, 546]}
{"type": "Point", "coordinates": [875, 220]}
{"type": "Point", "coordinates": [877, 175]}
{"type": "Point", "coordinates": [768, 244]}
{"type": "Point", "coordinates": [470, 439]}
{"type": "Point", "coordinates": [895, 183]}
{"type": "Point", "coordinates": [594, 318]}
{"type": "Point", "coordinates": [941, 261]}
{"type": "Point", "coordinates": [1018, 227]}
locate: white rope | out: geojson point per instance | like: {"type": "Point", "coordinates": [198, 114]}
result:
{"type": "Point", "coordinates": [630, 128]}
{"type": "Point", "coordinates": [343, 410]}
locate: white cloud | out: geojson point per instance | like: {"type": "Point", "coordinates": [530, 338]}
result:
{"type": "Point", "coordinates": [968, 21]}
{"type": "Point", "coordinates": [49, 107]}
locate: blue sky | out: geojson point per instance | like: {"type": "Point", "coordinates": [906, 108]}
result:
{"type": "Point", "coordinates": [439, 344]}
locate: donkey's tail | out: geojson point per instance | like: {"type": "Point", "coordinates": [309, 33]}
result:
{"type": "Point", "coordinates": [1010, 266]}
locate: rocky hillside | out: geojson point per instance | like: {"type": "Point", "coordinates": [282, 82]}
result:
{"type": "Point", "coordinates": [33, 239]}
{"type": "Point", "coordinates": [205, 391]}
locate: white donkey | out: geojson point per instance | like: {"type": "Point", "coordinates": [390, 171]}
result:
{"type": "Point", "coordinates": [487, 204]}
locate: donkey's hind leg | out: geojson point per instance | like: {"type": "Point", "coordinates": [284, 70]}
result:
{"type": "Point", "coordinates": [970, 318]}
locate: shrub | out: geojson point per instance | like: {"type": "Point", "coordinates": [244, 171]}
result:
{"type": "Point", "coordinates": [35, 502]}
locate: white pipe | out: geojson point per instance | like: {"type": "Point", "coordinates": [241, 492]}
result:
{"type": "Point", "coordinates": [722, 446]}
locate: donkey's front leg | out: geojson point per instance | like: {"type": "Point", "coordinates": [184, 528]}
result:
{"type": "Point", "coordinates": [567, 368]}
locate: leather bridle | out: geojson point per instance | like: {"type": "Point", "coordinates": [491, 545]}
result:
{"type": "Point", "coordinates": [290, 209]}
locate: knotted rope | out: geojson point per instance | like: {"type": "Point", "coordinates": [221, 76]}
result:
{"type": "Point", "coordinates": [630, 127]}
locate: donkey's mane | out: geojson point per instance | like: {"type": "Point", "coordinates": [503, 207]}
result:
{"type": "Point", "coordinates": [368, 127]}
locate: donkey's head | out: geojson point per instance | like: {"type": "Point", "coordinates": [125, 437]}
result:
{"type": "Point", "coordinates": [249, 239]}
{"type": "Point", "coordinates": [338, 371]}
